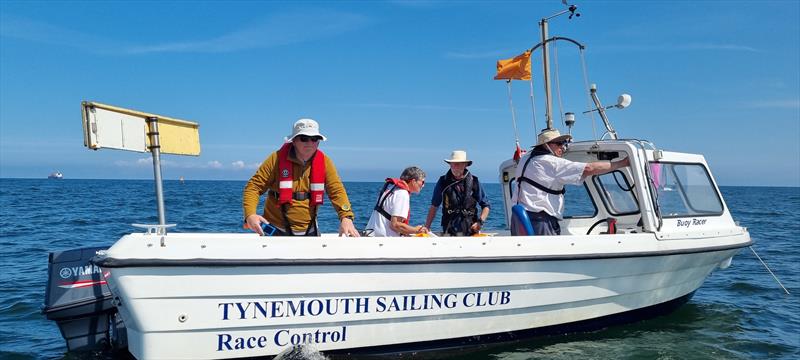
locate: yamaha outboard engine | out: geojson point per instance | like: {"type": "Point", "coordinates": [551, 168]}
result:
{"type": "Point", "coordinates": [78, 299]}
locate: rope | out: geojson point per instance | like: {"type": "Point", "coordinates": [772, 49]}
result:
{"type": "Point", "coordinates": [588, 95]}
{"type": "Point", "coordinates": [533, 109]}
{"type": "Point", "coordinates": [513, 113]}
{"type": "Point", "coordinates": [770, 271]}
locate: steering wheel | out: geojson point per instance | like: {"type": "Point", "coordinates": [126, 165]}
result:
{"type": "Point", "coordinates": [598, 222]}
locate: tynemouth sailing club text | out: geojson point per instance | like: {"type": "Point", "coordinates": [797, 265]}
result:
{"type": "Point", "coordinates": [271, 309]}
{"type": "Point", "coordinates": [359, 305]}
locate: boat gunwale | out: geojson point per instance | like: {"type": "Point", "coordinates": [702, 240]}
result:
{"type": "Point", "coordinates": [111, 262]}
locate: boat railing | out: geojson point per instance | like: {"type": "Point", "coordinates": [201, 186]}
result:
{"type": "Point", "coordinates": [154, 229]}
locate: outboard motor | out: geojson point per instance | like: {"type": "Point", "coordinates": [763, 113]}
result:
{"type": "Point", "coordinates": [79, 301]}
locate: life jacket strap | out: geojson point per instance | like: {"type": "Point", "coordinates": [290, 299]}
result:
{"type": "Point", "coordinates": [466, 212]}
{"type": "Point", "coordinates": [396, 183]}
{"type": "Point", "coordinates": [530, 181]}
{"type": "Point", "coordinates": [295, 195]}
{"type": "Point", "coordinates": [311, 225]}
{"type": "Point", "coordinates": [382, 200]}
{"type": "Point", "coordinates": [541, 187]}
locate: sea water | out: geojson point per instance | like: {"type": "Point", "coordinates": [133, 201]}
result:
{"type": "Point", "coordinates": [738, 313]}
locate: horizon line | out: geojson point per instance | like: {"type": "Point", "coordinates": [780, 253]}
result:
{"type": "Point", "coordinates": [345, 181]}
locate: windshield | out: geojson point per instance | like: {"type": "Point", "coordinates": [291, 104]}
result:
{"type": "Point", "coordinates": [615, 191]}
{"type": "Point", "coordinates": [685, 190]}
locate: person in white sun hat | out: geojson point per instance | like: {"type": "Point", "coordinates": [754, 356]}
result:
{"type": "Point", "coordinates": [459, 193]}
{"type": "Point", "coordinates": [295, 178]}
{"type": "Point", "coordinates": [542, 178]}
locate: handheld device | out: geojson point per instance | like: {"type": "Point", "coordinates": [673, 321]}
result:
{"type": "Point", "coordinates": [268, 229]}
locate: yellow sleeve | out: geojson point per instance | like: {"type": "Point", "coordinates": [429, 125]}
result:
{"type": "Point", "coordinates": [336, 191]}
{"type": "Point", "coordinates": [262, 180]}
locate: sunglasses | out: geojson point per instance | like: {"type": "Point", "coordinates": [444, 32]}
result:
{"type": "Point", "coordinates": [421, 182]}
{"type": "Point", "coordinates": [560, 143]}
{"type": "Point", "coordinates": [306, 138]}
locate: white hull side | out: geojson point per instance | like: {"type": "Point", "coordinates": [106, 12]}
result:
{"type": "Point", "coordinates": [526, 294]}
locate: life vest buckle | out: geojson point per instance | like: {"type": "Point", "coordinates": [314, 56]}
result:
{"type": "Point", "coordinates": [301, 195]}
{"type": "Point", "coordinates": [298, 195]}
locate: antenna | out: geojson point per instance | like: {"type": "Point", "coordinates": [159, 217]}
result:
{"type": "Point", "coordinates": [623, 101]}
{"type": "Point", "coordinates": [572, 12]}
{"type": "Point", "coordinates": [546, 60]}
{"type": "Point", "coordinates": [571, 9]}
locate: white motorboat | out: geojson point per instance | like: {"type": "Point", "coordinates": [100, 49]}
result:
{"type": "Point", "coordinates": [634, 251]}
{"type": "Point", "coordinates": [56, 175]}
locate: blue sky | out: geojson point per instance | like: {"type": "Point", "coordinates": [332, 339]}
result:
{"type": "Point", "coordinates": [395, 83]}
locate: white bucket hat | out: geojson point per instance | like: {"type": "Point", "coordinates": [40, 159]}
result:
{"type": "Point", "coordinates": [307, 127]}
{"type": "Point", "coordinates": [458, 156]}
{"type": "Point", "coordinates": [552, 135]}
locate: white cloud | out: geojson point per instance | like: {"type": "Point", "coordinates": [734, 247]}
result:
{"type": "Point", "coordinates": [724, 47]}
{"type": "Point", "coordinates": [241, 165]}
{"type": "Point", "coordinates": [422, 107]}
{"type": "Point", "coordinates": [680, 47]}
{"type": "Point", "coordinates": [775, 104]}
{"type": "Point", "coordinates": [420, 4]}
{"type": "Point", "coordinates": [143, 162]}
{"type": "Point", "coordinates": [389, 150]}
{"type": "Point", "coordinates": [31, 30]}
{"type": "Point", "coordinates": [172, 164]}
{"type": "Point", "coordinates": [495, 54]}
{"type": "Point", "coordinates": [279, 29]}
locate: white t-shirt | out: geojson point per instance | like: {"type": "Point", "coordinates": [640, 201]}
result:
{"type": "Point", "coordinates": [551, 172]}
{"type": "Point", "coordinates": [396, 204]}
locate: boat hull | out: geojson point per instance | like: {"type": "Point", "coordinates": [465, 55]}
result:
{"type": "Point", "coordinates": [440, 348]}
{"type": "Point", "coordinates": [227, 308]}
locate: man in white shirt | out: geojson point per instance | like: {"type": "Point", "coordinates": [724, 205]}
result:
{"type": "Point", "coordinates": [391, 213]}
{"type": "Point", "coordinates": [543, 176]}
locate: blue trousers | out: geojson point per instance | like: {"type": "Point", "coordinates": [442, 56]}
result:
{"type": "Point", "coordinates": [544, 223]}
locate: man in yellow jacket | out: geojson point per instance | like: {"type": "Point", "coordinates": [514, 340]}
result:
{"type": "Point", "coordinates": [294, 178]}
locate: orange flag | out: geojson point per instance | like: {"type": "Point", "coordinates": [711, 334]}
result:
{"type": "Point", "coordinates": [518, 68]}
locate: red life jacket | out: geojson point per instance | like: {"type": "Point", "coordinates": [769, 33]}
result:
{"type": "Point", "coordinates": [286, 178]}
{"type": "Point", "coordinates": [382, 198]}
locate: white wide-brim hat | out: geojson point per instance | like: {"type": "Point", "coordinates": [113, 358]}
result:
{"type": "Point", "coordinates": [458, 156]}
{"type": "Point", "coordinates": [552, 135]}
{"type": "Point", "coordinates": [307, 127]}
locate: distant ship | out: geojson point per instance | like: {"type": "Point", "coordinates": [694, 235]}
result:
{"type": "Point", "coordinates": [56, 175]}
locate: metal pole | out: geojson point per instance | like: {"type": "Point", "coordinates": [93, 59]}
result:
{"type": "Point", "coordinates": [155, 149]}
{"type": "Point", "coordinates": [602, 111]}
{"type": "Point", "coordinates": [546, 63]}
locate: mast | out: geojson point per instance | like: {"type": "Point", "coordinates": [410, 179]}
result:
{"type": "Point", "coordinates": [155, 150]}
{"type": "Point", "coordinates": [548, 114]}
{"type": "Point", "coordinates": [546, 61]}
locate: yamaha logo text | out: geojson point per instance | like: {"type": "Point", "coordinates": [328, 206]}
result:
{"type": "Point", "coordinates": [75, 271]}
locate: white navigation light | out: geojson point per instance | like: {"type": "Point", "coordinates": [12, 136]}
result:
{"type": "Point", "coordinates": [623, 101]}
{"type": "Point", "coordinates": [569, 119]}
